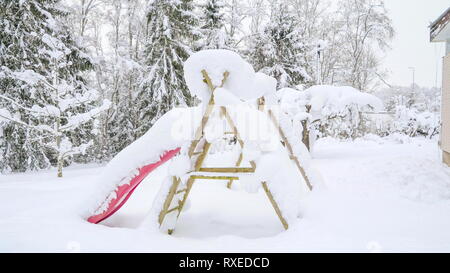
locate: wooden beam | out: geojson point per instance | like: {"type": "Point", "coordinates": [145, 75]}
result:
{"type": "Point", "coordinates": [190, 182]}
{"type": "Point", "coordinates": [228, 170]}
{"type": "Point", "coordinates": [198, 136]}
{"type": "Point", "coordinates": [180, 191]}
{"type": "Point", "coordinates": [208, 111]}
{"type": "Point", "coordinates": [215, 177]}
{"type": "Point", "coordinates": [239, 139]}
{"type": "Point", "coordinates": [173, 209]}
{"type": "Point", "coordinates": [261, 103]}
{"type": "Point", "coordinates": [290, 150]}
{"type": "Point", "coordinates": [275, 206]}
{"type": "Point", "coordinates": [169, 198]}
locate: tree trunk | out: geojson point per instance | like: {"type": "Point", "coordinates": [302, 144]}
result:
{"type": "Point", "coordinates": [60, 166]}
{"type": "Point", "coordinates": [305, 137]}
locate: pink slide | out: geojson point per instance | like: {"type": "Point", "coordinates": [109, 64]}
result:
{"type": "Point", "coordinates": [124, 192]}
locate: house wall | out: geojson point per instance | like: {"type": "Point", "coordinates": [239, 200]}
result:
{"type": "Point", "coordinates": [445, 134]}
{"type": "Point", "coordinates": [447, 47]}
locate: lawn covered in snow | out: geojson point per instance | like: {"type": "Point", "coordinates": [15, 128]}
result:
{"type": "Point", "coordinates": [380, 194]}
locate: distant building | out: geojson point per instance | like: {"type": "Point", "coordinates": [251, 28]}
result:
{"type": "Point", "coordinates": [440, 32]}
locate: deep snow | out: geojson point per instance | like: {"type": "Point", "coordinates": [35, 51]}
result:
{"type": "Point", "coordinates": [379, 195]}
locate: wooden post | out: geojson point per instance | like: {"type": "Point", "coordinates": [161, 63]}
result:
{"type": "Point", "coordinates": [191, 179]}
{"type": "Point", "coordinates": [305, 133]}
{"type": "Point", "coordinates": [169, 198]}
{"type": "Point", "coordinates": [290, 150]}
{"type": "Point", "coordinates": [275, 205]}
{"type": "Point", "coordinates": [261, 104]}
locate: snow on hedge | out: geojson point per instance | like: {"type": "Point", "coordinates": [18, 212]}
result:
{"type": "Point", "coordinates": [337, 98]}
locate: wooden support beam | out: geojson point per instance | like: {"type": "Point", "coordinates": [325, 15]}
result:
{"type": "Point", "coordinates": [275, 205]}
{"type": "Point", "coordinates": [202, 156]}
{"type": "Point", "coordinates": [191, 180]}
{"type": "Point", "coordinates": [289, 148]}
{"type": "Point", "coordinates": [261, 103]}
{"type": "Point", "coordinates": [172, 209]}
{"type": "Point", "coordinates": [180, 191]}
{"type": "Point", "coordinates": [189, 185]}
{"type": "Point", "coordinates": [228, 170]}
{"type": "Point", "coordinates": [214, 177]}
{"type": "Point", "coordinates": [239, 139]}
{"type": "Point", "coordinates": [173, 189]}
{"type": "Point", "coordinates": [197, 138]}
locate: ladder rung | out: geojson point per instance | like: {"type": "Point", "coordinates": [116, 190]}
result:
{"type": "Point", "coordinates": [228, 170]}
{"type": "Point", "coordinates": [173, 209]}
{"type": "Point", "coordinates": [214, 177]}
{"type": "Point", "coordinates": [180, 191]}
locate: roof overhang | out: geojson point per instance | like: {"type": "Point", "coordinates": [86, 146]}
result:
{"type": "Point", "coordinates": [440, 29]}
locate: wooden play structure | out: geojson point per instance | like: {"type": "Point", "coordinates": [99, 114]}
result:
{"type": "Point", "coordinates": [198, 151]}
{"type": "Point", "coordinates": [223, 80]}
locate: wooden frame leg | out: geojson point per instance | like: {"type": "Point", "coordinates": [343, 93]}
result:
{"type": "Point", "coordinates": [172, 192]}
{"type": "Point", "coordinates": [174, 189]}
{"type": "Point", "coordinates": [275, 205]}
{"type": "Point", "coordinates": [290, 150]}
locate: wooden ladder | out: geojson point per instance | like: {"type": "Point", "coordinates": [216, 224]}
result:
{"type": "Point", "coordinates": [198, 150]}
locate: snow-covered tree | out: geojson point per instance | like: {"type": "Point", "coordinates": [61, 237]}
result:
{"type": "Point", "coordinates": [235, 13]}
{"type": "Point", "coordinates": [212, 26]}
{"type": "Point", "coordinates": [172, 30]}
{"type": "Point", "coordinates": [46, 108]}
{"type": "Point", "coordinates": [115, 32]}
{"type": "Point", "coordinates": [367, 28]}
{"type": "Point", "coordinates": [278, 50]}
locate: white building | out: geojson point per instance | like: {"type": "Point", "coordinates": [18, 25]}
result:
{"type": "Point", "coordinates": [440, 32]}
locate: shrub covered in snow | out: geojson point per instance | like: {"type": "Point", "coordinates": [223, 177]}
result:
{"type": "Point", "coordinates": [329, 110]}
{"type": "Point", "coordinates": [337, 111]}
{"type": "Point", "coordinates": [412, 122]}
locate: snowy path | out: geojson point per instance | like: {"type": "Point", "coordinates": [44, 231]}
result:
{"type": "Point", "coordinates": [378, 197]}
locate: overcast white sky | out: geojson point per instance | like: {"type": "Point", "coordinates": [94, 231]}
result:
{"type": "Point", "coordinates": [411, 46]}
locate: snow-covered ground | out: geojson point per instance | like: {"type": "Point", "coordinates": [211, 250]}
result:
{"type": "Point", "coordinates": [379, 195]}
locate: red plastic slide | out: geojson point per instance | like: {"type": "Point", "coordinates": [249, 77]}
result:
{"type": "Point", "coordinates": [124, 192]}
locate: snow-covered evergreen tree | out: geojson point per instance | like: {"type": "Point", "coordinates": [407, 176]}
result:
{"type": "Point", "coordinates": [278, 50]}
{"type": "Point", "coordinates": [172, 30]}
{"type": "Point", "coordinates": [214, 35]}
{"type": "Point", "coordinates": [46, 108]}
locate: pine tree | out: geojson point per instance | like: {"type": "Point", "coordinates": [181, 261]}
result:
{"type": "Point", "coordinates": [278, 51]}
{"type": "Point", "coordinates": [172, 30]}
{"type": "Point", "coordinates": [46, 107]}
{"type": "Point", "coordinates": [214, 35]}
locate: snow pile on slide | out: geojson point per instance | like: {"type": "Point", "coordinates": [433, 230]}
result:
{"type": "Point", "coordinates": [162, 137]}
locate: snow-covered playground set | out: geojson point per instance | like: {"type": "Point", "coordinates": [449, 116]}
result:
{"type": "Point", "coordinates": [236, 134]}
